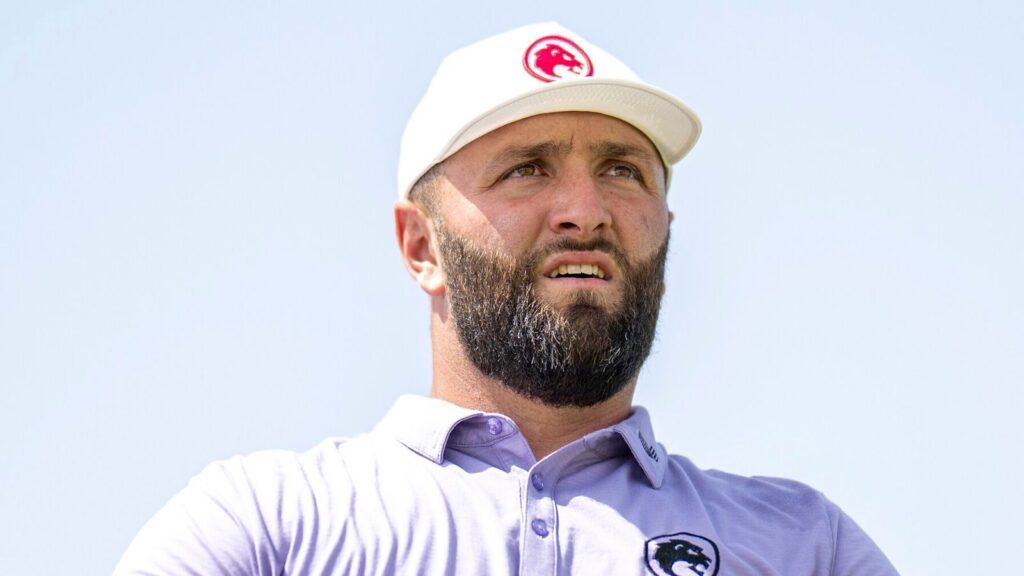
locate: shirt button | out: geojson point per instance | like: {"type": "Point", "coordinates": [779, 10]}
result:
{"type": "Point", "coordinates": [540, 528]}
{"type": "Point", "coordinates": [538, 481]}
{"type": "Point", "coordinates": [494, 426]}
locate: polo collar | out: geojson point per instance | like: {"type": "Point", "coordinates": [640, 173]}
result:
{"type": "Point", "coordinates": [425, 426]}
{"type": "Point", "coordinates": [638, 434]}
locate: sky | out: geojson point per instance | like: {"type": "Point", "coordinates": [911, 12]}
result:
{"type": "Point", "coordinates": [197, 255]}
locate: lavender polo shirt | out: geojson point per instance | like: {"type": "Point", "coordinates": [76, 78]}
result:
{"type": "Point", "coordinates": [439, 489]}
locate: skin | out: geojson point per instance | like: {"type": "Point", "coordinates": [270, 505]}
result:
{"type": "Point", "coordinates": [568, 174]}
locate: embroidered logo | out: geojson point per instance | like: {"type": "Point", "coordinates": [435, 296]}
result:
{"type": "Point", "coordinates": [556, 57]}
{"type": "Point", "coordinates": [681, 554]}
{"type": "Point", "coordinates": [651, 450]}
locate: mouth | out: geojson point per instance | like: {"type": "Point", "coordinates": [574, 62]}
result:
{"type": "Point", "coordinates": [580, 269]}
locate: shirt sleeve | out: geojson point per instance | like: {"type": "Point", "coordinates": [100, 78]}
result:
{"type": "Point", "coordinates": [212, 527]}
{"type": "Point", "coordinates": [855, 553]}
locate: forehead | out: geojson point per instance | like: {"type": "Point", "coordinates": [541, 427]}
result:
{"type": "Point", "coordinates": [575, 130]}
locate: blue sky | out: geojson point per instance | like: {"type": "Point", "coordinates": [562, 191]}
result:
{"type": "Point", "coordinates": [197, 254]}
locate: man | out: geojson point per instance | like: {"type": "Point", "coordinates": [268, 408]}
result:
{"type": "Point", "coordinates": [532, 212]}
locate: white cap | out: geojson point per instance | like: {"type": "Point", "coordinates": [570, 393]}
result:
{"type": "Point", "coordinates": [533, 70]}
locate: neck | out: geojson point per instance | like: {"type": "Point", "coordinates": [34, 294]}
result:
{"type": "Point", "coordinates": [546, 428]}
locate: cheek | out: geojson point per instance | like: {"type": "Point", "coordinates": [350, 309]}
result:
{"type": "Point", "coordinates": [515, 226]}
{"type": "Point", "coordinates": [654, 230]}
{"type": "Point", "coordinates": [645, 222]}
{"type": "Point", "coordinates": [657, 223]}
{"type": "Point", "coordinates": [505, 223]}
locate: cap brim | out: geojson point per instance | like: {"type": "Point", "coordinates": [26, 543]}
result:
{"type": "Point", "coordinates": [671, 126]}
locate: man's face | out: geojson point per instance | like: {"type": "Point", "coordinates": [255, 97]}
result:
{"type": "Point", "coordinates": [553, 233]}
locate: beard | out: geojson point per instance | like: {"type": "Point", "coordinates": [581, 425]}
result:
{"type": "Point", "coordinates": [579, 356]}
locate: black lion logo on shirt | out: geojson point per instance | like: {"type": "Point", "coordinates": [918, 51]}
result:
{"type": "Point", "coordinates": [668, 553]}
{"type": "Point", "coordinates": [682, 554]}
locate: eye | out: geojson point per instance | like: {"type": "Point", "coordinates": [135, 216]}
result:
{"type": "Point", "coordinates": [523, 171]}
{"type": "Point", "coordinates": [624, 171]}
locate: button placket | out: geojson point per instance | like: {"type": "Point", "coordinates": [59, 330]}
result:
{"type": "Point", "coordinates": [540, 542]}
{"type": "Point", "coordinates": [540, 527]}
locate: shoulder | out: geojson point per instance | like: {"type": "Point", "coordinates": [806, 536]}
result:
{"type": "Point", "coordinates": [750, 507]}
{"type": "Point", "coordinates": [266, 469]}
{"type": "Point", "coordinates": [270, 479]}
{"type": "Point", "coordinates": [255, 508]}
{"type": "Point", "coordinates": [737, 502]}
{"type": "Point", "coordinates": [767, 490]}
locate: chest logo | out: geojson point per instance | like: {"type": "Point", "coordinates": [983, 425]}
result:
{"type": "Point", "coordinates": [556, 57]}
{"type": "Point", "coordinates": [681, 554]}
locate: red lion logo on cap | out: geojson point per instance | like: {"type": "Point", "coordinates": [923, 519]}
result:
{"type": "Point", "coordinates": [546, 54]}
{"type": "Point", "coordinates": [551, 55]}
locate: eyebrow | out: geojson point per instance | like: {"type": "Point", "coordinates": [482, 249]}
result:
{"type": "Point", "coordinates": [611, 149]}
{"type": "Point", "coordinates": [556, 148]}
{"type": "Point", "coordinates": [514, 154]}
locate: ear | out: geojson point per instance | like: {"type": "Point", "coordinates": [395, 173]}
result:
{"type": "Point", "coordinates": [416, 242]}
{"type": "Point", "coordinates": [671, 218]}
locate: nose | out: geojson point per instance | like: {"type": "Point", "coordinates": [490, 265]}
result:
{"type": "Point", "coordinates": [580, 210]}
